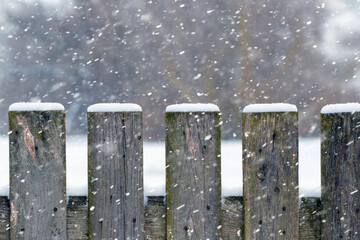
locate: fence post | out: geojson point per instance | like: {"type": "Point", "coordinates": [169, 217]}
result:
{"type": "Point", "coordinates": [193, 187]}
{"type": "Point", "coordinates": [116, 195]}
{"type": "Point", "coordinates": [340, 171]}
{"type": "Point", "coordinates": [270, 170]}
{"type": "Point", "coordinates": [37, 171]}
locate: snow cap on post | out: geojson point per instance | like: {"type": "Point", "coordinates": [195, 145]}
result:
{"type": "Point", "coordinates": [193, 107]}
{"type": "Point", "coordinates": [341, 108]}
{"type": "Point", "coordinates": [270, 107]}
{"type": "Point", "coordinates": [30, 106]}
{"type": "Point", "coordinates": [114, 107]}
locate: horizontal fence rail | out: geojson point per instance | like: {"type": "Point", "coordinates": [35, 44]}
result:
{"type": "Point", "coordinates": [39, 208]}
{"type": "Point", "coordinates": [154, 218]}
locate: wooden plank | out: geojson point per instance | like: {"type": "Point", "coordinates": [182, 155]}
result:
{"type": "Point", "coordinates": [270, 170]}
{"type": "Point", "coordinates": [310, 218]}
{"type": "Point", "coordinates": [77, 218]}
{"type": "Point", "coordinates": [232, 216]}
{"type": "Point", "coordinates": [193, 188]}
{"type": "Point", "coordinates": [155, 218]}
{"type": "Point", "coordinates": [340, 171]}
{"type": "Point", "coordinates": [4, 218]}
{"type": "Point", "coordinates": [37, 175]}
{"type": "Point", "coordinates": [116, 198]}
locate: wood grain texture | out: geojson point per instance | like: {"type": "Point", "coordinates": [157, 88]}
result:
{"type": "Point", "coordinates": [193, 185]}
{"type": "Point", "coordinates": [310, 218]}
{"type": "Point", "coordinates": [155, 218]}
{"type": "Point", "coordinates": [270, 170]}
{"type": "Point", "coordinates": [37, 175]}
{"type": "Point", "coordinates": [4, 218]}
{"type": "Point", "coordinates": [116, 195]}
{"type": "Point", "coordinates": [77, 218]}
{"type": "Point", "coordinates": [232, 225]}
{"type": "Point", "coordinates": [340, 175]}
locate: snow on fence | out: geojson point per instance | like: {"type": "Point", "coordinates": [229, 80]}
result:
{"type": "Point", "coordinates": [38, 206]}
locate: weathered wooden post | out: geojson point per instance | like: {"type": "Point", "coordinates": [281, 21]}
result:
{"type": "Point", "coordinates": [37, 171]}
{"type": "Point", "coordinates": [193, 187]}
{"type": "Point", "coordinates": [270, 170]}
{"type": "Point", "coordinates": [340, 171]}
{"type": "Point", "coordinates": [116, 195]}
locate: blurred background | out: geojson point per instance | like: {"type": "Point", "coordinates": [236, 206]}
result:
{"type": "Point", "coordinates": [156, 53]}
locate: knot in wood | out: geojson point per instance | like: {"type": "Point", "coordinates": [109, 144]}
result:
{"type": "Point", "coordinates": [260, 175]}
{"type": "Point", "coordinates": [262, 172]}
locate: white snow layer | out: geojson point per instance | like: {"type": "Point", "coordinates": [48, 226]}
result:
{"type": "Point", "coordinates": [341, 108]}
{"type": "Point", "coordinates": [270, 107]}
{"type": "Point", "coordinates": [193, 107]}
{"type": "Point", "coordinates": [154, 167]}
{"type": "Point", "coordinates": [29, 106]}
{"type": "Point", "coordinates": [114, 107]}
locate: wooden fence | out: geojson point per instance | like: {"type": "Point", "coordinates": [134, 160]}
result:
{"type": "Point", "coordinates": [193, 209]}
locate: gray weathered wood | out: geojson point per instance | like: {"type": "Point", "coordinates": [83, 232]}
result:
{"type": "Point", "coordinates": [77, 218]}
{"type": "Point", "coordinates": [340, 175]}
{"type": "Point", "coordinates": [193, 188]}
{"type": "Point", "coordinates": [310, 219]}
{"type": "Point", "coordinates": [37, 175]}
{"type": "Point", "coordinates": [155, 218]}
{"type": "Point", "coordinates": [4, 218]}
{"type": "Point", "coordinates": [116, 198]}
{"type": "Point", "coordinates": [232, 219]}
{"type": "Point", "coordinates": [270, 170]}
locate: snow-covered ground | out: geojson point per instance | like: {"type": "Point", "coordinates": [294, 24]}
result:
{"type": "Point", "coordinates": [154, 167]}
